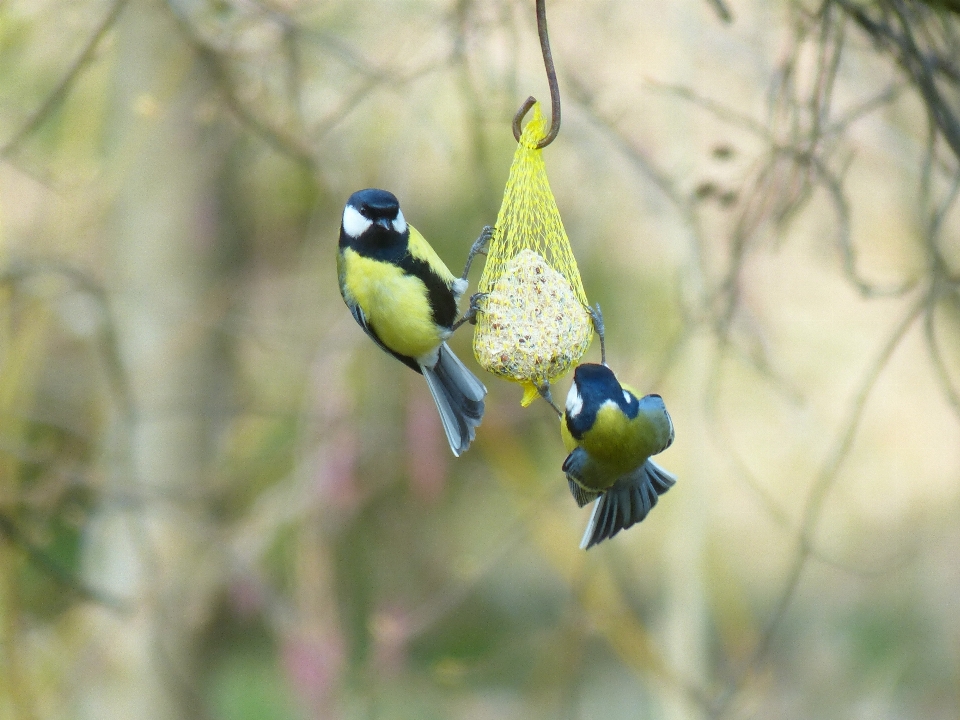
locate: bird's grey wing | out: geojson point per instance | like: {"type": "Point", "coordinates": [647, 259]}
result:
{"type": "Point", "coordinates": [573, 467]}
{"type": "Point", "coordinates": [581, 494]}
{"type": "Point", "coordinates": [361, 319]}
{"type": "Point", "coordinates": [655, 412]}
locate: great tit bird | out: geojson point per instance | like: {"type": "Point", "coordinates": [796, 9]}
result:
{"type": "Point", "coordinates": [610, 436]}
{"type": "Point", "coordinates": [404, 297]}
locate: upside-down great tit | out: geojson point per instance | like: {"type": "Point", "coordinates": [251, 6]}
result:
{"type": "Point", "coordinates": [404, 297]}
{"type": "Point", "coordinates": [610, 435]}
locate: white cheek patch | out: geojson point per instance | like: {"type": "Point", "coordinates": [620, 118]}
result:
{"type": "Point", "coordinates": [399, 224]}
{"type": "Point", "coordinates": [354, 224]}
{"type": "Point", "coordinates": [574, 401]}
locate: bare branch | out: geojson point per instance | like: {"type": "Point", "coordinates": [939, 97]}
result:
{"type": "Point", "coordinates": [10, 530]}
{"type": "Point", "coordinates": [943, 376]}
{"type": "Point", "coordinates": [822, 484]}
{"type": "Point", "coordinates": [59, 93]}
{"type": "Point", "coordinates": [284, 142]}
{"type": "Point", "coordinates": [723, 12]}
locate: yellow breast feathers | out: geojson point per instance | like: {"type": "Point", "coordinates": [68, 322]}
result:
{"type": "Point", "coordinates": [617, 441]}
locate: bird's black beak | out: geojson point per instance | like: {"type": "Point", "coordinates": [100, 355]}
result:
{"type": "Point", "coordinates": [384, 222]}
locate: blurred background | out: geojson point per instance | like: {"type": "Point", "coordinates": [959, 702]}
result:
{"type": "Point", "coordinates": [218, 499]}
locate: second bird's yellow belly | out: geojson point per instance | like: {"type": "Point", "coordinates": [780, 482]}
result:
{"type": "Point", "coordinates": [616, 441]}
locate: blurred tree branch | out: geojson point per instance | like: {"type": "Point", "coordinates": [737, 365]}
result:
{"type": "Point", "coordinates": [287, 142]}
{"type": "Point", "coordinates": [923, 64]}
{"type": "Point", "coordinates": [816, 497]}
{"type": "Point", "coordinates": [42, 560]}
{"type": "Point", "coordinates": [62, 89]}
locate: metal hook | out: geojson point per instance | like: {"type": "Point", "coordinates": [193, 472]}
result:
{"type": "Point", "coordinates": [551, 79]}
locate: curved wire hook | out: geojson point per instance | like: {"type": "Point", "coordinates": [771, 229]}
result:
{"type": "Point", "coordinates": [551, 79]}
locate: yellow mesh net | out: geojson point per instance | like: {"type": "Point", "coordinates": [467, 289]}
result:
{"type": "Point", "coordinates": [533, 325]}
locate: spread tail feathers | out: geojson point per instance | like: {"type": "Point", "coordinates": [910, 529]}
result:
{"type": "Point", "coordinates": [626, 502]}
{"type": "Point", "coordinates": [459, 398]}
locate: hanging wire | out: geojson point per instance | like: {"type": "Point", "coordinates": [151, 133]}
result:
{"type": "Point", "coordinates": [551, 79]}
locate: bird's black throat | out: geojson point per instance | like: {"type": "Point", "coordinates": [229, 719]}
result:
{"type": "Point", "coordinates": [389, 246]}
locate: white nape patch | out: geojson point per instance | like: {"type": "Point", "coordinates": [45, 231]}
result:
{"type": "Point", "coordinates": [399, 224]}
{"type": "Point", "coordinates": [609, 403]}
{"type": "Point", "coordinates": [459, 287]}
{"type": "Point", "coordinates": [354, 224]}
{"type": "Point", "coordinates": [574, 401]}
{"type": "Point", "coordinates": [626, 396]}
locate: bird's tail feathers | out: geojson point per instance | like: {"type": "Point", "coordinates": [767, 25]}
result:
{"type": "Point", "coordinates": [626, 502]}
{"type": "Point", "coordinates": [459, 398]}
{"type": "Point", "coordinates": [662, 479]}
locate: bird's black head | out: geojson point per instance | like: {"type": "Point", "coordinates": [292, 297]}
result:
{"type": "Point", "coordinates": [373, 224]}
{"type": "Point", "coordinates": [596, 383]}
{"type": "Point", "coordinates": [593, 385]}
{"type": "Point", "coordinates": [375, 204]}
{"type": "Point", "coordinates": [593, 373]}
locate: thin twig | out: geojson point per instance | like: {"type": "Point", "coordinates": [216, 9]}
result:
{"type": "Point", "coordinates": [943, 376]}
{"type": "Point", "coordinates": [822, 484]}
{"type": "Point", "coordinates": [286, 143]}
{"type": "Point", "coordinates": [44, 562]}
{"type": "Point", "coordinates": [723, 12]}
{"type": "Point", "coordinates": [59, 93]}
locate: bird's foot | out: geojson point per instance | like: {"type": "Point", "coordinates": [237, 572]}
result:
{"type": "Point", "coordinates": [470, 316]}
{"type": "Point", "coordinates": [479, 247]}
{"type": "Point", "coordinates": [544, 390]}
{"type": "Point", "coordinates": [597, 318]}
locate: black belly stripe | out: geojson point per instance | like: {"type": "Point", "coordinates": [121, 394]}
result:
{"type": "Point", "coordinates": [439, 295]}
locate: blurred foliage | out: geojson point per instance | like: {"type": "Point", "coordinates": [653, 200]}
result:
{"type": "Point", "coordinates": [219, 500]}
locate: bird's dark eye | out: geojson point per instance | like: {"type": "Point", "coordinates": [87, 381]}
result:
{"type": "Point", "coordinates": [376, 204]}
